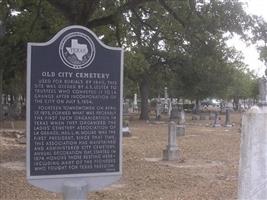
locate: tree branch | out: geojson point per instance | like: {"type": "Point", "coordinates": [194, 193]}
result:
{"type": "Point", "coordinates": [141, 20]}
{"type": "Point", "coordinates": [172, 12]}
{"type": "Point", "coordinates": [73, 11]}
{"type": "Point", "coordinates": [37, 16]}
{"type": "Point", "coordinates": [111, 19]}
{"type": "Point", "coordinates": [117, 34]}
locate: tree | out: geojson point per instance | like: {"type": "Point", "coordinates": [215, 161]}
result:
{"type": "Point", "coordinates": [244, 86]}
{"type": "Point", "coordinates": [1, 75]}
{"type": "Point", "coordinates": [194, 45]}
{"type": "Point", "coordinates": [32, 21]}
{"type": "Point", "coordinates": [260, 37]}
{"type": "Point", "coordinates": [173, 39]}
{"type": "Point", "coordinates": [139, 26]}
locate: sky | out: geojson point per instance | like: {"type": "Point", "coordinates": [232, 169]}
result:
{"type": "Point", "coordinates": [251, 56]}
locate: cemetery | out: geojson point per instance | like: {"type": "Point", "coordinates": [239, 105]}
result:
{"type": "Point", "coordinates": [206, 168]}
{"type": "Point", "coordinates": [137, 99]}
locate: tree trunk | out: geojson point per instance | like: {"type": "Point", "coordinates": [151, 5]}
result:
{"type": "Point", "coordinates": [236, 103]}
{"type": "Point", "coordinates": [196, 110]}
{"type": "Point", "coordinates": [144, 100]}
{"type": "Point", "coordinates": [1, 92]}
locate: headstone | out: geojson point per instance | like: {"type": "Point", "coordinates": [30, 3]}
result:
{"type": "Point", "coordinates": [212, 115]}
{"type": "Point", "coordinates": [74, 111]}
{"type": "Point", "coordinates": [171, 152]}
{"type": "Point", "coordinates": [165, 100]}
{"type": "Point", "coordinates": [181, 117]}
{"type": "Point", "coordinates": [253, 161]}
{"type": "Point", "coordinates": [177, 114]}
{"type": "Point", "coordinates": [181, 122]}
{"type": "Point", "coordinates": [125, 123]}
{"type": "Point", "coordinates": [21, 140]}
{"type": "Point", "coordinates": [174, 113]}
{"type": "Point", "coordinates": [202, 116]}
{"type": "Point", "coordinates": [217, 120]}
{"type": "Point", "coordinates": [227, 118]}
{"type": "Point", "coordinates": [253, 154]}
{"type": "Point", "coordinates": [125, 108]}
{"type": "Point", "coordinates": [126, 131]}
{"type": "Point", "coordinates": [194, 117]}
{"type": "Point", "coordinates": [125, 128]}
{"type": "Point", "coordinates": [180, 130]}
{"type": "Point", "coordinates": [135, 105]}
{"type": "Point", "coordinates": [158, 109]}
{"type": "Point", "coordinates": [165, 94]}
{"type": "Point", "coordinates": [169, 108]}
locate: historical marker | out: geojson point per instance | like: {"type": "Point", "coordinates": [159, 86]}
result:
{"type": "Point", "coordinates": [74, 110]}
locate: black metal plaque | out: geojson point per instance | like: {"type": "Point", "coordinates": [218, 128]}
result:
{"type": "Point", "coordinates": [74, 105]}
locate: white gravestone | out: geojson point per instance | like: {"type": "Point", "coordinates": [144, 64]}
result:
{"type": "Point", "coordinates": [253, 158]}
{"type": "Point", "coordinates": [181, 123]}
{"type": "Point", "coordinates": [171, 152]}
{"type": "Point", "coordinates": [166, 100]}
{"type": "Point", "coordinates": [135, 105]}
{"type": "Point", "coordinates": [178, 114]}
{"type": "Point", "coordinates": [158, 109]}
{"type": "Point", "coordinates": [217, 120]}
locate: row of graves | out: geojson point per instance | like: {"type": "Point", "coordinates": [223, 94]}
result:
{"type": "Point", "coordinates": [253, 156]}
{"type": "Point", "coordinates": [176, 112]}
{"type": "Point", "coordinates": [176, 125]}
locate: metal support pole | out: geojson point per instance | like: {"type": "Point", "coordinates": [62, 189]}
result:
{"type": "Point", "coordinates": [75, 190]}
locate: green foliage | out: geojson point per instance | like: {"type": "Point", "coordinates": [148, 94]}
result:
{"type": "Point", "coordinates": [135, 65]}
{"type": "Point", "coordinates": [244, 85]}
{"type": "Point", "coordinates": [36, 21]}
{"type": "Point", "coordinates": [178, 44]}
{"type": "Point", "coordinates": [263, 54]}
{"type": "Point", "coordinates": [260, 37]}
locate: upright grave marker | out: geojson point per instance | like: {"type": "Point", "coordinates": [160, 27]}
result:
{"type": "Point", "coordinates": [171, 152]}
{"type": "Point", "coordinates": [74, 111]}
{"type": "Point", "coordinates": [227, 118]}
{"type": "Point", "coordinates": [253, 154]}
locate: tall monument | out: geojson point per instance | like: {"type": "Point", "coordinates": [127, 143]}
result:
{"type": "Point", "coordinates": [253, 156]}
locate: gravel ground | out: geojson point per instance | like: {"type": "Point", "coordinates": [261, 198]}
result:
{"type": "Point", "coordinates": [207, 169]}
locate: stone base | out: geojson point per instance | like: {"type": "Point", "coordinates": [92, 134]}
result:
{"type": "Point", "coordinates": [212, 116]}
{"type": "Point", "coordinates": [180, 130]}
{"type": "Point", "coordinates": [228, 125]}
{"type": "Point", "coordinates": [126, 132]}
{"type": "Point", "coordinates": [202, 117]}
{"type": "Point", "coordinates": [194, 117]}
{"type": "Point", "coordinates": [158, 117]}
{"type": "Point", "coordinates": [21, 140]}
{"type": "Point", "coordinates": [216, 125]}
{"type": "Point", "coordinates": [170, 154]}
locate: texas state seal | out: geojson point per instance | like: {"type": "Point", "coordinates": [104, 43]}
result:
{"type": "Point", "coordinates": [77, 50]}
